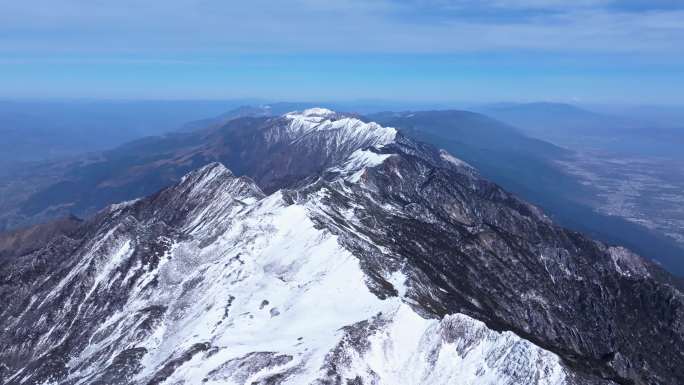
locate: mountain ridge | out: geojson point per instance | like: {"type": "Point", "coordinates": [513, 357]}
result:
{"type": "Point", "coordinates": [211, 275]}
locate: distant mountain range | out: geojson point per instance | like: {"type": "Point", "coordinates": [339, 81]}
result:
{"type": "Point", "coordinates": [583, 130]}
{"type": "Point", "coordinates": [264, 110]}
{"type": "Point", "coordinates": [34, 130]}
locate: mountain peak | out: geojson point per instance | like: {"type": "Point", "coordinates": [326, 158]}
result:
{"type": "Point", "coordinates": [311, 116]}
{"type": "Point", "coordinates": [316, 114]}
{"type": "Point", "coordinates": [204, 197]}
{"type": "Point", "coordinates": [206, 173]}
{"type": "Point", "coordinates": [345, 128]}
{"type": "Point", "coordinates": [214, 180]}
{"type": "Point", "coordinates": [318, 111]}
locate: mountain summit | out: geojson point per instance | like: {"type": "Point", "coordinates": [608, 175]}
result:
{"type": "Point", "coordinates": [351, 255]}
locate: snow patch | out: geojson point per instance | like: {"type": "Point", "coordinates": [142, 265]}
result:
{"type": "Point", "coordinates": [627, 263]}
{"type": "Point", "coordinates": [315, 112]}
{"type": "Point", "coordinates": [122, 205]}
{"type": "Point", "coordinates": [411, 350]}
{"type": "Point", "coordinates": [357, 163]}
{"type": "Point", "coordinates": [452, 159]}
{"type": "Point", "coordinates": [398, 280]}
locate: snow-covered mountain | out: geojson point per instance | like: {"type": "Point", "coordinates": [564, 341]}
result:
{"type": "Point", "coordinates": [370, 259]}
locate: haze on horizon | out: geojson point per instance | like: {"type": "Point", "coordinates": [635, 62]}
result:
{"type": "Point", "coordinates": [588, 51]}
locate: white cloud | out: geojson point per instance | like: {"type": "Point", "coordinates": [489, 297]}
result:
{"type": "Point", "coordinates": [212, 26]}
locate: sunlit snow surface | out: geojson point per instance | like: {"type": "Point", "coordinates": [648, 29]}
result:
{"type": "Point", "coordinates": [273, 299]}
{"type": "Point", "coordinates": [349, 128]}
{"type": "Point", "coordinates": [357, 163]}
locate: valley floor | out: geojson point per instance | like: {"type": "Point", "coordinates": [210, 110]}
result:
{"type": "Point", "coordinates": [646, 191]}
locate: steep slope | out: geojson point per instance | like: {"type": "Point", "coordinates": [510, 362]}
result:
{"type": "Point", "coordinates": [229, 286]}
{"type": "Point", "coordinates": [530, 168]}
{"type": "Point", "coordinates": [477, 250]}
{"type": "Point", "coordinates": [278, 152]}
{"type": "Point", "coordinates": [470, 128]}
{"type": "Point", "coordinates": [396, 264]}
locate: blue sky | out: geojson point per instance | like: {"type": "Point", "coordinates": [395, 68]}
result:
{"type": "Point", "coordinates": [590, 51]}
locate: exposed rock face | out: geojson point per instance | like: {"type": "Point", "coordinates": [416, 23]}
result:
{"type": "Point", "coordinates": [287, 149]}
{"type": "Point", "coordinates": [385, 261]}
{"type": "Point", "coordinates": [477, 250]}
